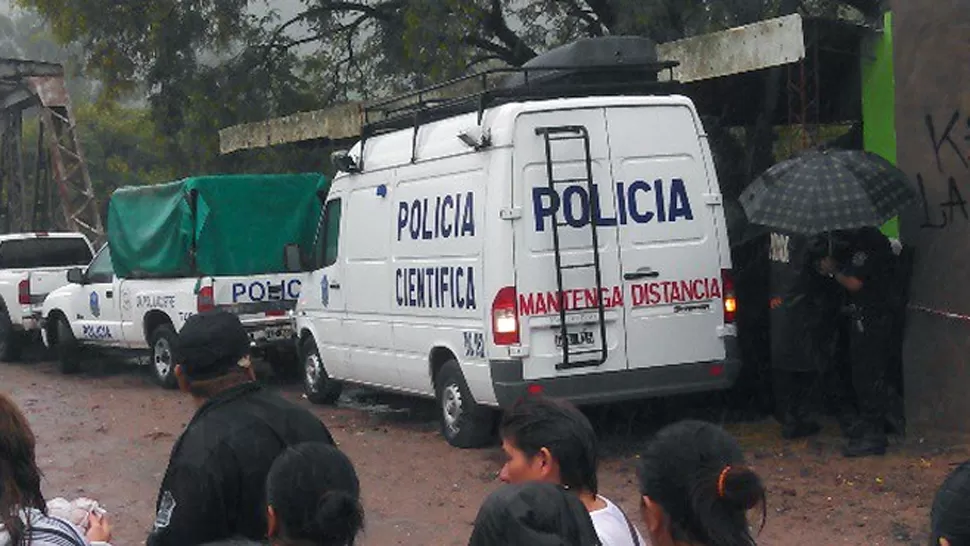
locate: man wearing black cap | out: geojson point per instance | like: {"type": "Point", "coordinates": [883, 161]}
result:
{"type": "Point", "coordinates": [214, 486]}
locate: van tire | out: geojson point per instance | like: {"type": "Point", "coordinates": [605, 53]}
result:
{"type": "Point", "coordinates": [163, 341]}
{"type": "Point", "coordinates": [318, 387]}
{"type": "Point", "coordinates": [11, 341]}
{"type": "Point", "coordinates": [464, 423]}
{"type": "Point", "coordinates": [67, 348]}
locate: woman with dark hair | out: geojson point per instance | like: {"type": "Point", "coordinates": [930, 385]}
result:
{"type": "Point", "coordinates": [950, 515]}
{"type": "Point", "coordinates": [314, 497]}
{"type": "Point", "coordinates": [533, 514]}
{"type": "Point", "coordinates": [696, 490]}
{"type": "Point", "coordinates": [23, 513]}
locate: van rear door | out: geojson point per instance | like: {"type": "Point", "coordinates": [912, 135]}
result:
{"type": "Point", "coordinates": [669, 251]}
{"type": "Point", "coordinates": [558, 217]}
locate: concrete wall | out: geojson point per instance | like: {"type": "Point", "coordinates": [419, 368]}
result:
{"type": "Point", "coordinates": [932, 67]}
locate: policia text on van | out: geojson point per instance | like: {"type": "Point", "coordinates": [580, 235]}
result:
{"type": "Point", "coordinates": [573, 245]}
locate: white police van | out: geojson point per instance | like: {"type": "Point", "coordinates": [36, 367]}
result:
{"type": "Point", "coordinates": [574, 246]}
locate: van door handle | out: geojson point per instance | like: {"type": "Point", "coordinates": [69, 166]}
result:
{"type": "Point", "coordinates": [109, 294]}
{"type": "Point", "coordinates": [637, 275]}
{"type": "Point", "coordinates": [335, 285]}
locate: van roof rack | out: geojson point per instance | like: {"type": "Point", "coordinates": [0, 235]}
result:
{"type": "Point", "coordinates": [482, 90]}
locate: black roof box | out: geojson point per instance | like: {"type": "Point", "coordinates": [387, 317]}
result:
{"type": "Point", "coordinates": [634, 57]}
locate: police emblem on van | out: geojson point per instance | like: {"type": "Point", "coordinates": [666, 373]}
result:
{"type": "Point", "coordinates": [95, 304]}
{"type": "Point", "coordinates": [324, 291]}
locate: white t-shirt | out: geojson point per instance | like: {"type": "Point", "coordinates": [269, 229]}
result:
{"type": "Point", "coordinates": [612, 527]}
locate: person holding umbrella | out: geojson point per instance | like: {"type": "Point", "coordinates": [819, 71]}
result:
{"type": "Point", "coordinates": [845, 191]}
{"type": "Point", "coordinates": [867, 277]}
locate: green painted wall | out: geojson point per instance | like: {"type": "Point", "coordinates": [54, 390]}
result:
{"type": "Point", "coordinates": [879, 101]}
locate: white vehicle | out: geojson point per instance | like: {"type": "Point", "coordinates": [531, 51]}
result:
{"type": "Point", "coordinates": [99, 311]}
{"type": "Point", "coordinates": [31, 266]}
{"type": "Point", "coordinates": [572, 246]}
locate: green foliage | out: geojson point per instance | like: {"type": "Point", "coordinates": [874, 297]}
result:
{"type": "Point", "coordinates": [208, 64]}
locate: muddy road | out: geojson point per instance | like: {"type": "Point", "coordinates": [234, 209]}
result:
{"type": "Point", "coordinates": [107, 433]}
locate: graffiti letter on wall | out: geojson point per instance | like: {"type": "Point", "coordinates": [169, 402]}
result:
{"type": "Point", "coordinates": [945, 137]}
{"type": "Point", "coordinates": [954, 205]}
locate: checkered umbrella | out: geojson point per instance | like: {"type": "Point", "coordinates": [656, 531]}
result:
{"type": "Point", "coordinates": [828, 190]}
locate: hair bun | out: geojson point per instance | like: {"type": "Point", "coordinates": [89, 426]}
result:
{"type": "Point", "coordinates": [339, 518]}
{"type": "Point", "coordinates": [740, 487]}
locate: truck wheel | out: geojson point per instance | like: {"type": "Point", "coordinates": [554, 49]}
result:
{"type": "Point", "coordinates": [163, 341]}
{"type": "Point", "coordinates": [317, 385]}
{"type": "Point", "coordinates": [11, 341]}
{"type": "Point", "coordinates": [284, 362]}
{"type": "Point", "coordinates": [464, 423]}
{"type": "Point", "coordinates": [67, 348]}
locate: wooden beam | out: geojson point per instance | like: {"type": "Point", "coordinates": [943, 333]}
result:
{"type": "Point", "coordinates": [338, 123]}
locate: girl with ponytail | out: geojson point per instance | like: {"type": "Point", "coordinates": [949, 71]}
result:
{"type": "Point", "coordinates": [696, 489]}
{"type": "Point", "coordinates": [314, 498]}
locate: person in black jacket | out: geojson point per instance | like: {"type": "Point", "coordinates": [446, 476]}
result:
{"type": "Point", "coordinates": [950, 525]}
{"type": "Point", "coordinates": [867, 277]}
{"type": "Point", "coordinates": [313, 498]}
{"type": "Point", "coordinates": [533, 514]}
{"type": "Point", "coordinates": [214, 486]}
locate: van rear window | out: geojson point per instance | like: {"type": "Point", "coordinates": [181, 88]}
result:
{"type": "Point", "coordinates": [44, 252]}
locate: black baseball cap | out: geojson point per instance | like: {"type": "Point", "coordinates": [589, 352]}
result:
{"type": "Point", "coordinates": [211, 344]}
{"type": "Point", "coordinates": [950, 515]}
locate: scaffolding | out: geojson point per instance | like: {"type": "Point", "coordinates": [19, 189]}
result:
{"type": "Point", "coordinates": [59, 195]}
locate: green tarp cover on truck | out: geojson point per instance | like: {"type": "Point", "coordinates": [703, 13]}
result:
{"type": "Point", "coordinates": [239, 225]}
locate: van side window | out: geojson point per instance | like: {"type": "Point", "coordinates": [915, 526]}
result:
{"type": "Point", "coordinates": [329, 233]}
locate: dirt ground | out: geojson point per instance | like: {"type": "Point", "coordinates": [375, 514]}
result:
{"type": "Point", "coordinates": [107, 433]}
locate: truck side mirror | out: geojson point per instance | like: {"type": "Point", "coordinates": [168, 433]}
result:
{"type": "Point", "coordinates": [75, 275]}
{"type": "Point", "coordinates": [292, 258]}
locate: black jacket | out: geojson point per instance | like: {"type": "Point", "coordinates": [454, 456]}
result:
{"type": "Point", "coordinates": [533, 514]}
{"type": "Point", "coordinates": [214, 487]}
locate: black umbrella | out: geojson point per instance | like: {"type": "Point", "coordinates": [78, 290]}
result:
{"type": "Point", "coordinates": [828, 190]}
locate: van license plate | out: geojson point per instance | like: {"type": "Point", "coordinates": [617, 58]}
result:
{"type": "Point", "coordinates": [274, 333]}
{"type": "Point", "coordinates": [577, 339]}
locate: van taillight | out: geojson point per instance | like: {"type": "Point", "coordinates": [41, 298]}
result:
{"type": "Point", "coordinates": [205, 300]}
{"type": "Point", "coordinates": [505, 317]}
{"type": "Point", "coordinates": [730, 299]}
{"type": "Point", "coordinates": [23, 292]}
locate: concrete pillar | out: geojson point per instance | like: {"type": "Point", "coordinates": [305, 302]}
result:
{"type": "Point", "coordinates": [932, 58]}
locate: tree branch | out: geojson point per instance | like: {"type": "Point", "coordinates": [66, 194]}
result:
{"type": "Point", "coordinates": [382, 12]}
{"type": "Point", "coordinates": [481, 59]}
{"type": "Point", "coordinates": [604, 12]}
{"type": "Point", "coordinates": [494, 21]}
{"type": "Point", "coordinates": [594, 25]}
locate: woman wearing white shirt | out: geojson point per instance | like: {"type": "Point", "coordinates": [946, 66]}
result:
{"type": "Point", "coordinates": [548, 440]}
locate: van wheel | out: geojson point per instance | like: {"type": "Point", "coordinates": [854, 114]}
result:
{"type": "Point", "coordinates": [11, 341]}
{"type": "Point", "coordinates": [163, 341]}
{"type": "Point", "coordinates": [464, 423]}
{"type": "Point", "coordinates": [317, 385]}
{"type": "Point", "coordinates": [67, 348]}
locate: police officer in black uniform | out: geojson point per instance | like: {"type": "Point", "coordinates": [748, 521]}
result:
{"type": "Point", "coordinates": [867, 277]}
{"type": "Point", "coordinates": [214, 487]}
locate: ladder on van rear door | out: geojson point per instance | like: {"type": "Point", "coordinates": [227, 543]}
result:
{"type": "Point", "coordinates": [576, 351]}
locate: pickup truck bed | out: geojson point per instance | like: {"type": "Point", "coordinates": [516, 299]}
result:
{"type": "Point", "coordinates": [32, 265]}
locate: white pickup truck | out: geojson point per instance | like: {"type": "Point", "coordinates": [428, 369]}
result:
{"type": "Point", "coordinates": [99, 311]}
{"type": "Point", "coordinates": [31, 266]}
